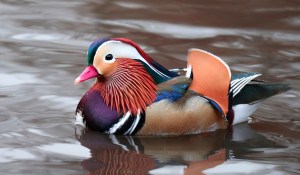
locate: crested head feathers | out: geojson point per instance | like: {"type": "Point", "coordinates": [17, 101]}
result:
{"type": "Point", "coordinates": [93, 49]}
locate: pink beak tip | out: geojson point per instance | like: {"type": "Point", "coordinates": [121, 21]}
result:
{"type": "Point", "coordinates": [77, 81]}
{"type": "Point", "coordinates": [88, 73]}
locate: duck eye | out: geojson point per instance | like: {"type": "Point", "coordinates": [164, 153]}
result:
{"type": "Point", "coordinates": [109, 57]}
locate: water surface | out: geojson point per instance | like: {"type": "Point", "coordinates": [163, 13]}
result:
{"type": "Point", "coordinates": [43, 47]}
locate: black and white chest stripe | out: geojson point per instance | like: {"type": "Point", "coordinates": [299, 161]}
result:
{"type": "Point", "coordinates": [79, 120]}
{"type": "Point", "coordinates": [128, 124]}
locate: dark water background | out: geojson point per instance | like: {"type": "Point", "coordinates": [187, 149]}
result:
{"type": "Point", "coordinates": [43, 47]}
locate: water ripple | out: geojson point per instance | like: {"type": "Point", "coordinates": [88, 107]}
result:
{"type": "Point", "coordinates": [10, 155]}
{"type": "Point", "coordinates": [18, 79]}
{"type": "Point", "coordinates": [68, 149]}
{"type": "Point", "coordinates": [200, 32]}
{"type": "Point", "coordinates": [38, 36]}
{"type": "Point", "coordinates": [244, 167]}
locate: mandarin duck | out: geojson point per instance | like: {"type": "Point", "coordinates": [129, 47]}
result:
{"type": "Point", "coordinates": [135, 95]}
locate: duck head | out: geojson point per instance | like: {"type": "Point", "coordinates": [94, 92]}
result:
{"type": "Point", "coordinates": [103, 56]}
{"type": "Point", "coordinates": [125, 75]}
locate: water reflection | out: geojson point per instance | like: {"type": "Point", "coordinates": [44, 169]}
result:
{"type": "Point", "coordinates": [192, 154]}
{"type": "Point", "coordinates": [114, 155]}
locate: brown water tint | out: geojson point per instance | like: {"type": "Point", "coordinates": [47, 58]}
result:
{"type": "Point", "coordinates": [43, 47]}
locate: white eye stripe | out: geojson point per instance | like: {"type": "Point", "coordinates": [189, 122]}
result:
{"type": "Point", "coordinates": [122, 50]}
{"type": "Point", "coordinates": [110, 61]}
{"type": "Point", "coordinates": [118, 50]}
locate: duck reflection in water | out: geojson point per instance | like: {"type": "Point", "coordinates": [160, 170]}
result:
{"type": "Point", "coordinates": [187, 155]}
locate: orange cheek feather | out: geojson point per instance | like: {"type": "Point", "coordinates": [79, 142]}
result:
{"type": "Point", "coordinates": [103, 67]}
{"type": "Point", "coordinates": [128, 86]}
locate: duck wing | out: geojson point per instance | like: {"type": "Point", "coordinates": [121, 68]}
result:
{"type": "Point", "coordinates": [172, 89]}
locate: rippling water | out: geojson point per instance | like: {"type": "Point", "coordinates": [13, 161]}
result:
{"type": "Point", "coordinates": [43, 46]}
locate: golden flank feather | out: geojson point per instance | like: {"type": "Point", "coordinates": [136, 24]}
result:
{"type": "Point", "coordinates": [189, 115]}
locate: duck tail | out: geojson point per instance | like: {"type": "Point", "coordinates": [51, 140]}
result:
{"type": "Point", "coordinates": [246, 96]}
{"type": "Point", "coordinates": [257, 91]}
{"type": "Point", "coordinates": [210, 77]}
